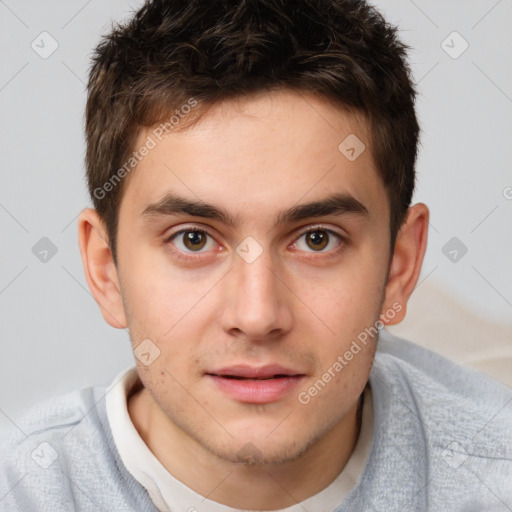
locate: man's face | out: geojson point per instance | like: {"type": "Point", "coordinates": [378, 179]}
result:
{"type": "Point", "coordinates": [237, 297]}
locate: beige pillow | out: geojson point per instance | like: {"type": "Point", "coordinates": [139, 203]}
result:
{"type": "Point", "coordinates": [440, 323]}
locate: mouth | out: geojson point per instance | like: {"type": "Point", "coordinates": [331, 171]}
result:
{"type": "Point", "coordinates": [255, 385]}
{"type": "Point", "coordinates": [237, 377]}
{"type": "Point", "coordinates": [243, 371]}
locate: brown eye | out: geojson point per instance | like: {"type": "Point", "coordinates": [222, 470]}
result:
{"type": "Point", "coordinates": [194, 240]}
{"type": "Point", "coordinates": [317, 240]}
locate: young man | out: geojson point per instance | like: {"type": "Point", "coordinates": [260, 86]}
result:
{"type": "Point", "coordinates": [252, 167]}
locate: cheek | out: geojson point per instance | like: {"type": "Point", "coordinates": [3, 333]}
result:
{"type": "Point", "coordinates": [348, 305]}
{"type": "Point", "coordinates": [332, 392]}
{"type": "Point", "coordinates": [156, 301]}
{"type": "Point", "coordinates": [348, 302]}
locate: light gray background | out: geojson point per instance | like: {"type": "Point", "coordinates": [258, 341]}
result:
{"type": "Point", "coordinates": [53, 337]}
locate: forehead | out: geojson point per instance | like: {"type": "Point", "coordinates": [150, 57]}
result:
{"type": "Point", "coordinates": [257, 155]}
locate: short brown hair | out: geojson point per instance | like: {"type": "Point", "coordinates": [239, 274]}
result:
{"type": "Point", "coordinates": [171, 51]}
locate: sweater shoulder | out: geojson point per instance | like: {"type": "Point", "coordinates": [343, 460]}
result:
{"type": "Point", "coordinates": [408, 363]}
{"type": "Point", "coordinates": [61, 456]}
{"type": "Point", "coordinates": [445, 423]}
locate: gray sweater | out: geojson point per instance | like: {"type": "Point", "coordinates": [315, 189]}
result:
{"type": "Point", "coordinates": [442, 441]}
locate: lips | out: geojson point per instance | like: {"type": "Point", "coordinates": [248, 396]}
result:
{"type": "Point", "coordinates": [271, 371]}
{"type": "Point", "coordinates": [255, 385]}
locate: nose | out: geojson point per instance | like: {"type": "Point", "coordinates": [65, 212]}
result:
{"type": "Point", "coordinates": [256, 301]}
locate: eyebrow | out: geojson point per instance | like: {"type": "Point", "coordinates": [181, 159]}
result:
{"type": "Point", "coordinates": [336, 204]}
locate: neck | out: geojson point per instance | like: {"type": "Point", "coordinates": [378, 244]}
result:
{"type": "Point", "coordinates": [273, 486]}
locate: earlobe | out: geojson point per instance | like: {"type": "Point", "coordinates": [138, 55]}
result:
{"type": "Point", "coordinates": [100, 271]}
{"type": "Point", "coordinates": [406, 263]}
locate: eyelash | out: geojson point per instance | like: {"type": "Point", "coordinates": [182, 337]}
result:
{"type": "Point", "coordinates": [180, 255]}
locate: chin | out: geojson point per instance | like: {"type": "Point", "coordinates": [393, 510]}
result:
{"type": "Point", "coordinates": [259, 449]}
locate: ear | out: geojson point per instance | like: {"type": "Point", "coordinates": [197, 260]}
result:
{"type": "Point", "coordinates": [405, 267]}
{"type": "Point", "coordinates": [99, 268]}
